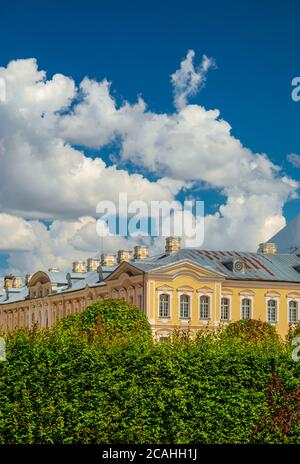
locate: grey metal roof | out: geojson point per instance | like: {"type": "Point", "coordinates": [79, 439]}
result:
{"type": "Point", "coordinates": [14, 294]}
{"type": "Point", "coordinates": [57, 277]}
{"type": "Point", "coordinates": [258, 266]}
{"type": "Point", "coordinates": [78, 280]}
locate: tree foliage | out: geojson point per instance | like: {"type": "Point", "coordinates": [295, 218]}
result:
{"type": "Point", "coordinates": [252, 330]}
{"type": "Point", "coordinates": [98, 377]}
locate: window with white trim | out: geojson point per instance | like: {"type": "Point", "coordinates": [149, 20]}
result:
{"type": "Point", "coordinates": [293, 311]}
{"type": "Point", "coordinates": [246, 308]}
{"type": "Point", "coordinates": [184, 306]}
{"type": "Point", "coordinates": [225, 305]}
{"type": "Point", "coordinates": [204, 307]}
{"type": "Point", "coordinates": [164, 305]}
{"type": "Point", "coordinates": [272, 311]}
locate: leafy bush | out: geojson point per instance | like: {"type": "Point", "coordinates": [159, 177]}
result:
{"type": "Point", "coordinates": [110, 319]}
{"type": "Point", "coordinates": [293, 332]}
{"type": "Point", "coordinates": [252, 330]}
{"type": "Point", "coordinates": [97, 377]}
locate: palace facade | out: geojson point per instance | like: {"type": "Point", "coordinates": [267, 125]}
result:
{"type": "Point", "coordinates": [178, 289]}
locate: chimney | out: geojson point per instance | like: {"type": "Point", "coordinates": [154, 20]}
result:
{"type": "Point", "coordinates": [69, 280]}
{"type": "Point", "coordinates": [79, 266]}
{"type": "Point", "coordinates": [100, 273]}
{"type": "Point", "coordinates": [27, 279]}
{"type": "Point", "coordinates": [17, 282]}
{"type": "Point", "coordinates": [267, 247]}
{"type": "Point", "coordinates": [108, 259]}
{"type": "Point", "coordinates": [9, 281]}
{"type": "Point", "coordinates": [141, 252]}
{"type": "Point", "coordinates": [173, 244]}
{"type": "Point", "coordinates": [124, 255]}
{"type": "Point", "coordinates": [92, 264]}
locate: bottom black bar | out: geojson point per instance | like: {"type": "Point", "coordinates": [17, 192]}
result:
{"type": "Point", "coordinates": [96, 454]}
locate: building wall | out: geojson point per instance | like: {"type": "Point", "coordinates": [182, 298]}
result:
{"type": "Point", "coordinates": [257, 292]}
{"type": "Point", "coordinates": [45, 309]}
{"type": "Point", "coordinates": [144, 291]}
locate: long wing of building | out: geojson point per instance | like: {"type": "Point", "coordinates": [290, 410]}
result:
{"type": "Point", "coordinates": [189, 289]}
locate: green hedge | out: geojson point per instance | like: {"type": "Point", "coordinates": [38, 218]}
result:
{"type": "Point", "coordinates": [98, 377]}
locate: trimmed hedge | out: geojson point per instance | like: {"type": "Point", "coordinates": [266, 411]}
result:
{"type": "Point", "coordinates": [98, 377]}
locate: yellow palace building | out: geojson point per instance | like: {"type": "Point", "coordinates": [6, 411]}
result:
{"type": "Point", "coordinates": [177, 289]}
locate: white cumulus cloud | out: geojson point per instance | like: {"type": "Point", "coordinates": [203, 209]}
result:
{"type": "Point", "coordinates": [188, 80]}
{"type": "Point", "coordinates": [294, 159]}
{"type": "Point", "coordinates": [44, 175]}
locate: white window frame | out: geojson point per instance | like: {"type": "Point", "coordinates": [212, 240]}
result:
{"type": "Point", "coordinates": [190, 296]}
{"type": "Point", "coordinates": [277, 299]}
{"type": "Point", "coordinates": [162, 292]}
{"type": "Point", "coordinates": [228, 297]}
{"type": "Point", "coordinates": [209, 307]}
{"type": "Point", "coordinates": [297, 301]}
{"type": "Point", "coordinates": [247, 297]}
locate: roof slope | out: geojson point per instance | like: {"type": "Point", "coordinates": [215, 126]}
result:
{"type": "Point", "coordinates": [258, 266]}
{"type": "Point", "coordinates": [279, 267]}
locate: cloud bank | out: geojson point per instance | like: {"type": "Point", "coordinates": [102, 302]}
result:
{"type": "Point", "coordinates": [44, 175]}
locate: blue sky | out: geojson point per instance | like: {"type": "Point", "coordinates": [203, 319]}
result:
{"type": "Point", "coordinates": [138, 45]}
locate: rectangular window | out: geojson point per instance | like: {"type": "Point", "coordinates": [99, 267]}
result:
{"type": "Point", "coordinates": [246, 308]}
{"type": "Point", "coordinates": [293, 310]}
{"type": "Point", "coordinates": [184, 306]}
{"type": "Point", "coordinates": [204, 307]}
{"type": "Point", "coordinates": [224, 309]}
{"type": "Point", "coordinates": [272, 311]}
{"type": "Point", "coordinates": [164, 306]}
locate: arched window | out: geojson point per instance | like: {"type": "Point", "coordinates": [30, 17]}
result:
{"type": "Point", "coordinates": [184, 306]}
{"type": "Point", "coordinates": [204, 307]}
{"type": "Point", "coordinates": [60, 311]}
{"type": "Point", "coordinates": [10, 322]}
{"type": "Point", "coordinates": [16, 319]}
{"type": "Point", "coordinates": [293, 312]}
{"type": "Point", "coordinates": [164, 305]}
{"type": "Point", "coordinates": [225, 309]}
{"type": "Point", "coordinates": [272, 311]}
{"type": "Point", "coordinates": [68, 311]}
{"type": "Point", "coordinates": [22, 318]}
{"type": "Point", "coordinates": [47, 319]}
{"type": "Point", "coordinates": [53, 314]}
{"type": "Point", "coordinates": [246, 308]}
